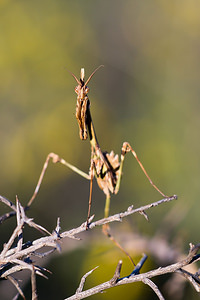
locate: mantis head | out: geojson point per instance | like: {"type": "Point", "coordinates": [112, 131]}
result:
{"type": "Point", "coordinates": [82, 89]}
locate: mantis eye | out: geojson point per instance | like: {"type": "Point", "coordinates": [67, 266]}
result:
{"type": "Point", "coordinates": [76, 89]}
{"type": "Point", "coordinates": [87, 89]}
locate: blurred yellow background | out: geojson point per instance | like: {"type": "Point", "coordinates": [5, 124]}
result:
{"type": "Point", "coordinates": [147, 94]}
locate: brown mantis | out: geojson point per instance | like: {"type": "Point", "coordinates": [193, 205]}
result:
{"type": "Point", "coordinates": [105, 166]}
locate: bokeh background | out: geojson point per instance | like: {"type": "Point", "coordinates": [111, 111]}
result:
{"type": "Point", "coordinates": [147, 94]}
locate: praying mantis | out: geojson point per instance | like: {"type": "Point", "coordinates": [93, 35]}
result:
{"type": "Point", "coordinates": [104, 166]}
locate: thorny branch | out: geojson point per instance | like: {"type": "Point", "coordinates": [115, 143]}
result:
{"type": "Point", "coordinates": [144, 277]}
{"type": "Point", "coordinates": [52, 239]}
{"type": "Point", "coordinates": [117, 217]}
{"type": "Point", "coordinates": [14, 259]}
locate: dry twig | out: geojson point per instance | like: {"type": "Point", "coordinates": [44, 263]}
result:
{"type": "Point", "coordinates": [144, 277]}
{"type": "Point", "coordinates": [15, 259]}
{"type": "Point", "coordinates": [18, 258]}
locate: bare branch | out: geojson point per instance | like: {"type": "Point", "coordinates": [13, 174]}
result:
{"type": "Point", "coordinates": [117, 217]}
{"type": "Point", "coordinates": [193, 278]}
{"type": "Point", "coordinates": [7, 202]}
{"type": "Point", "coordinates": [16, 284]}
{"type": "Point", "coordinates": [141, 277]}
{"type": "Point", "coordinates": [16, 257]}
{"type": "Point", "coordinates": [10, 242]}
{"type": "Point", "coordinates": [33, 284]}
{"type": "Point", "coordinates": [139, 266]}
{"type": "Point", "coordinates": [52, 240]}
{"type": "Point", "coordinates": [20, 216]}
{"type": "Point", "coordinates": [83, 279]}
{"type": "Point", "coordinates": [154, 288]}
{"type": "Point", "coordinates": [117, 273]}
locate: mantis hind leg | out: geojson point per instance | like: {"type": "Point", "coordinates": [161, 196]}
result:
{"type": "Point", "coordinates": [106, 229]}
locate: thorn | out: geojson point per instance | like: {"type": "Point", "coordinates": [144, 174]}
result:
{"type": "Point", "coordinates": [130, 208]}
{"type": "Point", "coordinates": [116, 276]}
{"type": "Point", "coordinates": [143, 213]}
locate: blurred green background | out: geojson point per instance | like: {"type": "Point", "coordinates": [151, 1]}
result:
{"type": "Point", "coordinates": [147, 94]}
